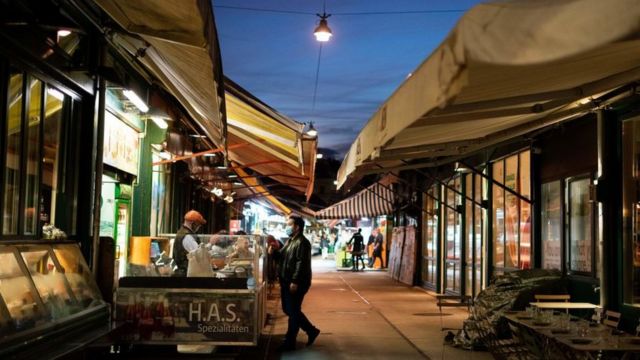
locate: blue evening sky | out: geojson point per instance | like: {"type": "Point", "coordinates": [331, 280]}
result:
{"type": "Point", "coordinates": [274, 56]}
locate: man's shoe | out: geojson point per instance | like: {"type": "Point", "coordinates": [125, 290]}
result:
{"type": "Point", "coordinates": [312, 336]}
{"type": "Point", "coordinates": [284, 347]}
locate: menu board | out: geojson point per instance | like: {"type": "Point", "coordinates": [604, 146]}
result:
{"type": "Point", "coordinates": [121, 144]}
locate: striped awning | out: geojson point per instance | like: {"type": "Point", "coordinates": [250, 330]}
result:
{"type": "Point", "coordinates": [375, 200]}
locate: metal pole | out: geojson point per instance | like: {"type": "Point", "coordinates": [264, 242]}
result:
{"type": "Point", "coordinates": [99, 166]}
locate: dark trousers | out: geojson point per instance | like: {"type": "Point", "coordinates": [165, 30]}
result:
{"type": "Point", "coordinates": [292, 306]}
{"type": "Point", "coordinates": [355, 256]}
{"type": "Point", "coordinates": [372, 260]}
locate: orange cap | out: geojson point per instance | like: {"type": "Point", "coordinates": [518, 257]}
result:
{"type": "Point", "coordinates": [195, 217]}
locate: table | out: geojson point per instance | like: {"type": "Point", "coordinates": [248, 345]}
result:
{"type": "Point", "coordinates": [564, 305]}
{"type": "Point", "coordinates": [560, 346]}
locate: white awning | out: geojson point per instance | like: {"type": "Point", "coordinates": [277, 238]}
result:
{"type": "Point", "coordinates": [507, 68]}
{"type": "Point", "coordinates": [182, 51]}
{"type": "Point", "coordinates": [375, 200]}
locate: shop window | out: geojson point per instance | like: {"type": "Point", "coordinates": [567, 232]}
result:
{"type": "Point", "coordinates": [32, 175]}
{"type": "Point", "coordinates": [429, 268]}
{"type": "Point", "coordinates": [551, 199]}
{"type": "Point", "coordinates": [33, 130]}
{"type": "Point", "coordinates": [51, 154]}
{"type": "Point", "coordinates": [631, 209]}
{"type": "Point", "coordinates": [580, 225]}
{"type": "Point", "coordinates": [13, 151]}
{"type": "Point", "coordinates": [452, 236]}
{"type": "Point", "coordinates": [511, 214]}
{"type": "Point", "coordinates": [474, 222]}
{"type": "Point", "coordinates": [160, 205]}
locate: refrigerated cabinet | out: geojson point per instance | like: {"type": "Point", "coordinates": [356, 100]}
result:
{"type": "Point", "coordinates": [225, 305]}
{"type": "Point", "coordinates": [47, 294]}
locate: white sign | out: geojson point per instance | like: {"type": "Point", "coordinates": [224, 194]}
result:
{"type": "Point", "coordinates": [121, 145]}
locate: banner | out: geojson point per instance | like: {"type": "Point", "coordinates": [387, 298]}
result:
{"type": "Point", "coordinates": [164, 316]}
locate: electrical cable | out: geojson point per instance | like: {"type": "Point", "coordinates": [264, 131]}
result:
{"type": "Point", "coordinates": [339, 13]}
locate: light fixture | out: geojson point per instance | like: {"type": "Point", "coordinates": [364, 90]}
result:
{"type": "Point", "coordinates": [55, 93]}
{"type": "Point", "coordinates": [228, 199]}
{"type": "Point", "coordinates": [312, 130]}
{"type": "Point", "coordinates": [461, 168]}
{"type": "Point", "coordinates": [217, 192]}
{"type": "Point", "coordinates": [335, 182]}
{"type": "Point", "coordinates": [232, 176]}
{"type": "Point", "coordinates": [162, 124]}
{"type": "Point", "coordinates": [136, 100]}
{"type": "Point", "coordinates": [197, 136]}
{"type": "Point", "coordinates": [165, 155]}
{"type": "Point", "coordinates": [237, 183]}
{"type": "Point", "coordinates": [319, 156]}
{"type": "Point", "coordinates": [322, 31]}
{"type": "Point", "coordinates": [64, 33]}
{"type": "Point", "coordinates": [210, 155]}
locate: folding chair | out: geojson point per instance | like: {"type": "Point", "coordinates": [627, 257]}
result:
{"type": "Point", "coordinates": [611, 319]}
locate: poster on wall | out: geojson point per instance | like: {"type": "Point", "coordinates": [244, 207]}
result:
{"type": "Point", "coordinates": [160, 316]}
{"type": "Point", "coordinates": [121, 145]}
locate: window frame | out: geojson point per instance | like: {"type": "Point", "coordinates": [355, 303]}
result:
{"type": "Point", "coordinates": [567, 226]}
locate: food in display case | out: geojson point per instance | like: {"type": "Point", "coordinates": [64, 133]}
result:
{"type": "Point", "coordinates": [35, 290]}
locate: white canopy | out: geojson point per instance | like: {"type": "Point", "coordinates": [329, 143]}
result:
{"type": "Point", "coordinates": [507, 68]}
{"type": "Point", "coordinates": [182, 51]}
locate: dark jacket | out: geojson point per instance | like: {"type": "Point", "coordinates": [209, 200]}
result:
{"type": "Point", "coordinates": [358, 242]}
{"type": "Point", "coordinates": [294, 260]}
{"type": "Point", "coordinates": [179, 253]}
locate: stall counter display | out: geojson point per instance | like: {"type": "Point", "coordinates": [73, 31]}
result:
{"type": "Point", "coordinates": [220, 301]}
{"type": "Point", "coordinates": [43, 285]}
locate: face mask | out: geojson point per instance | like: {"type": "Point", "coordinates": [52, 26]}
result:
{"type": "Point", "coordinates": [289, 230]}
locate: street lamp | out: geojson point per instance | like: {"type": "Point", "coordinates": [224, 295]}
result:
{"type": "Point", "coordinates": [322, 31]}
{"type": "Point", "coordinates": [312, 131]}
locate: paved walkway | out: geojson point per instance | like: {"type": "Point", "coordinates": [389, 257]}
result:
{"type": "Point", "coordinates": [367, 315]}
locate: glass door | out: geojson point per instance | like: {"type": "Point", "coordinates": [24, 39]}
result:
{"type": "Point", "coordinates": [452, 237]}
{"type": "Point", "coordinates": [474, 237]}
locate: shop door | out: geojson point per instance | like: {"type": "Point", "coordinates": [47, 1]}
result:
{"type": "Point", "coordinates": [430, 235]}
{"type": "Point", "coordinates": [452, 237]}
{"type": "Point", "coordinates": [474, 234]}
{"type": "Point", "coordinates": [122, 236]}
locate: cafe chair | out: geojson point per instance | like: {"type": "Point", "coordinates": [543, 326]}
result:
{"type": "Point", "coordinates": [501, 349]}
{"type": "Point", "coordinates": [611, 319]}
{"type": "Point", "coordinates": [554, 298]}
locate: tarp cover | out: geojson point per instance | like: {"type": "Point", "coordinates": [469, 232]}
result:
{"type": "Point", "coordinates": [512, 291]}
{"type": "Point", "coordinates": [507, 68]}
{"type": "Point", "coordinates": [183, 53]}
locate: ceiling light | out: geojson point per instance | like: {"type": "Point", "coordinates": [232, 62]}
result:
{"type": "Point", "coordinates": [335, 182]}
{"type": "Point", "coordinates": [217, 192]}
{"type": "Point", "coordinates": [64, 33]}
{"type": "Point", "coordinates": [136, 100]}
{"type": "Point", "coordinates": [237, 183]}
{"type": "Point", "coordinates": [165, 155]}
{"type": "Point", "coordinates": [232, 176]}
{"type": "Point", "coordinates": [197, 136]}
{"type": "Point", "coordinates": [55, 93]}
{"type": "Point", "coordinates": [312, 130]}
{"type": "Point", "coordinates": [162, 124]}
{"type": "Point", "coordinates": [322, 31]}
{"type": "Point", "coordinates": [228, 199]}
{"type": "Point", "coordinates": [319, 156]}
{"type": "Point", "coordinates": [461, 168]}
{"type": "Point", "coordinates": [210, 155]}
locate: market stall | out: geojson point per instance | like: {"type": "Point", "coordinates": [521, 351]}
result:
{"type": "Point", "coordinates": [220, 301]}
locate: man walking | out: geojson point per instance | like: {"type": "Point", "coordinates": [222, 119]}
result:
{"type": "Point", "coordinates": [377, 250]}
{"type": "Point", "coordinates": [357, 250]}
{"type": "Point", "coordinates": [295, 280]}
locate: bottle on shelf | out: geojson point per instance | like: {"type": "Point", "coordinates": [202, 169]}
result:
{"type": "Point", "coordinates": [145, 326]}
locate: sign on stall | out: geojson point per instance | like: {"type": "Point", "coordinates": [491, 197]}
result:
{"type": "Point", "coordinates": [159, 316]}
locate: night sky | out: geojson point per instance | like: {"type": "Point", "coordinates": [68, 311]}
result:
{"type": "Point", "coordinates": [274, 55]}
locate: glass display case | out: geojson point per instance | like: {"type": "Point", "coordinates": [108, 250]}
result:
{"type": "Point", "coordinates": [43, 285]}
{"type": "Point", "coordinates": [220, 301]}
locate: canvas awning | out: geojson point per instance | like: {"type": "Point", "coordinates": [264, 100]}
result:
{"type": "Point", "coordinates": [374, 200]}
{"type": "Point", "coordinates": [278, 147]}
{"type": "Point", "coordinates": [507, 68]}
{"type": "Point", "coordinates": [178, 45]}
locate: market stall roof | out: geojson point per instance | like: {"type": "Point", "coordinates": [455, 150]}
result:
{"type": "Point", "coordinates": [507, 68]}
{"type": "Point", "coordinates": [278, 148]}
{"type": "Point", "coordinates": [374, 200]}
{"type": "Point", "coordinates": [180, 48]}
{"type": "Point", "coordinates": [256, 189]}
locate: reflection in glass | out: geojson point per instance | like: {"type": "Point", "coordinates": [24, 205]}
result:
{"type": "Point", "coordinates": [430, 224]}
{"type": "Point", "coordinates": [580, 236]}
{"type": "Point", "coordinates": [498, 215]}
{"type": "Point", "coordinates": [17, 293]}
{"type": "Point", "coordinates": [14, 154]}
{"type": "Point", "coordinates": [551, 225]}
{"type": "Point", "coordinates": [50, 157]}
{"type": "Point", "coordinates": [631, 209]}
{"type": "Point", "coordinates": [78, 275]}
{"type": "Point", "coordinates": [33, 158]}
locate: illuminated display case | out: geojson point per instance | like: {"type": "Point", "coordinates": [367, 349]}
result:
{"type": "Point", "coordinates": [44, 286]}
{"type": "Point", "coordinates": [220, 301]}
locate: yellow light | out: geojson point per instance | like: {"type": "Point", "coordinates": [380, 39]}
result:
{"type": "Point", "coordinates": [64, 33]}
{"type": "Point", "coordinates": [322, 31]}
